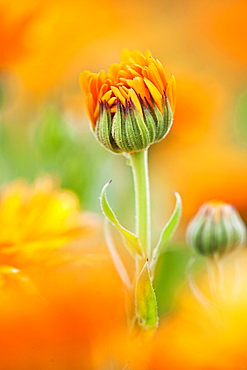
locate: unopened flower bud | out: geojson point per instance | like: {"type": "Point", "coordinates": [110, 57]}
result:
{"type": "Point", "coordinates": [216, 229]}
{"type": "Point", "coordinates": [132, 105]}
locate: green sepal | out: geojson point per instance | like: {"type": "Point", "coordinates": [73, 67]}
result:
{"type": "Point", "coordinates": [119, 128]}
{"type": "Point", "coordinates": [130, 240]}
{"type": "Point", "coordinates": [163, 120]}
{"type": "Point", "coordinates": [144, 133]}
{"type": "Point", "coordinates": [131, 131]}
{"type": "Point", "coordinates": [150, 123]}
{"type": "Point", "coordinates": [136, 129]}
{"type": "Point", "coordinates": [169, 228]}
{"type": "Point", "coordinates": [194, 236]}
{"type": "Point", "coordinates": [239, 230]}
{"type": "Point", "coordinates": [104, 128]}
{"type": "Point", "coordinates": [168, 115]}
{"type": "Point", "coordinates": [160, 130]}
{"type": "Point", "coordinates": [145, 300]}
{"type": "Point", "coordinates": [207, 247]}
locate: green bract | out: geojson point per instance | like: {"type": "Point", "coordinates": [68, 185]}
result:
{"type": "Point", "coordinates": [127, 130]}
{"type": "Point", "coordinates": [217, 228]}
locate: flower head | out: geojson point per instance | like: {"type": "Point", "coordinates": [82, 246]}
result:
{"type": "Point", "coordinates": [216, 228]}
{"type": "Point", "coordinates": [132, 105]}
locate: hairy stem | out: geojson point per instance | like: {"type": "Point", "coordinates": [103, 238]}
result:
{"type": "Point", "coordinates": [139, 163]}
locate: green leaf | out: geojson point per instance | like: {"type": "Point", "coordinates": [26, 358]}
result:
{"type": "Point", "coordinates": [169, 228]}
{"type": "Point", "coordinates": [146, 303]}
{"type": "Point", "coordinates": [130, 240]}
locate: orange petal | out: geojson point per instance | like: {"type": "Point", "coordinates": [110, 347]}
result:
{"type": "Point", "coordinates": [118, 94]}
{"type": "Point", "coordinates": [100, 79]}
{"type": "Point", "coordinates": [93, 86]}
{"type": "Point", "coordinates": [148, 54]}
{"type": "Point", "coordinates": [133, 72]}
{"type": "Point", "coordinates": [96, 112]}
{"type": "Point", "coordinates": [103, 90]}
{"type": "Point", "coordinates": [135, 100]}
{"type": "Point", "coordinates": [113, 72]}
{"type": "Point", "coordinates": [84, 81]}
{"type": "Point", "coordinates": [171, 93]}
{"type": "Point", "coordinates": [174, 91]}
{"type": "Point", "coordinates": [124, 91]}
{"type": "Point", "coordinates": [90, 105]}
{"type": "Point", "coordinates": [140, 87]}
{"type": "Point", "coordinates": [154, 92]}
{"type": "Point", "coordinates": [161, 71]}
{"type": "Point", "coordinates": [134, 56]}
{"type": "Point", "coordinates": [107, 95]}
{"type": "Point", "coordinates": [155, 78]}
{"type": "Point", "coordinates": [112, 100]}
{"type": "Point", "coordinates": [124, 74]}
{"type": "Point", "coordinates": [145, 72]}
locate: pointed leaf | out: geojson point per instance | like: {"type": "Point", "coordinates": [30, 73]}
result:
{"type": "Point", "coordinates": [145, 299]}
{"type": "Point", "coordinates": [170, 227]}
{"type": "Point", "coordinates": [130, 240]}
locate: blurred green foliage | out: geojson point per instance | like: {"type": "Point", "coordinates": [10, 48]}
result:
{"type": "Point", "coordinates": [51, 146]}
{"type": "Point", "coordinates": [241, 119]}
{"type": "Point", "coordinates": [170, 276]}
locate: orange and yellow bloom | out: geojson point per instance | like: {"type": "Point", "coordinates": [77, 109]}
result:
{"type": "Point", "coordinates": [132, 105]}
{"type": "Point", "coordinates": [36, 219]}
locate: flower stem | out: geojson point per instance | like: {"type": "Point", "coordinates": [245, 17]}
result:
{"type": "Point", "coordinates": [139, 163]}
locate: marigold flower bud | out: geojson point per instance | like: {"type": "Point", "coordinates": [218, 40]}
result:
{"type": "Point", "coordinates": [132, 105]}
{"type": "Point", "coordinates": [216, 229]}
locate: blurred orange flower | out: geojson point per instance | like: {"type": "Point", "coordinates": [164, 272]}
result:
{"type": "Point", "coordinates": [33, 34]}
{"type": "Point", "coordinates": [226, 27]}
{"type": "Point", "coordinates": [201, 147]}
{"type": "Point", "coordinates": [54, 315]}
{"type": "Point", "coordinates": [13, 29]}
{"type": "Point", "coordinates": [67, 321]}
{"type": "Point", "coordinates": [196, 106]}
{"type": "Point", "coordinates": [36, 219]}
{"type": "Point", "coordinates": [199, 339]}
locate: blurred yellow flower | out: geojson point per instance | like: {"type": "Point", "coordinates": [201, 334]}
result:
{"type": "Point", "coordinates": [68, 310]}
{"type": "Point", "coordinates": [39, 217]}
